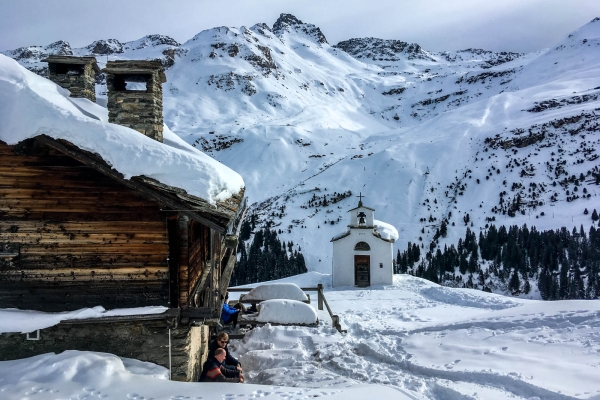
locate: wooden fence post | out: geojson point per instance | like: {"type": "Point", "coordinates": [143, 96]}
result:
{"type": "Point", "coordinates": [320, 296]}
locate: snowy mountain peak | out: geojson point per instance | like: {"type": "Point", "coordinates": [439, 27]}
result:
{"type": "Point", "coordinates": [151, 41]}
{"type": "Point", "coordinates": [109, 46]}
{"type": "Point", "coordinates": [60, 48]}
{"type": "Point", "coordinates": [383, 50]}
{"type": "Point", "coordinates": [36, 53]}
{"type": "Point", "coordinates": [287, 23]}
{"type": "Point", "coordinates": [590, 31]}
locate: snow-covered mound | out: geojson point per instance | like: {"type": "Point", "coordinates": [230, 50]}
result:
{"type": "Point", "coordinates": [289, 291]}
{"type": "Point", "coordinates": [286, 312]}
{"type": "Point", "coordinates": [32, 106]}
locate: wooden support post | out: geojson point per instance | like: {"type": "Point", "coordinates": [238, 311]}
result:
{"type": "Point", "coordinates": [335, 321]}
{"type": "Point", "coordinates": [320, 296]}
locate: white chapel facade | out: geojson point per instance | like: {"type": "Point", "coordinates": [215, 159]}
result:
{"type": "Point", "coordinates": [363, 254]}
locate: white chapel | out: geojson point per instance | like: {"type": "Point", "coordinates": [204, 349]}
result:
{"type": "Point", "coordinates": [363, 254]}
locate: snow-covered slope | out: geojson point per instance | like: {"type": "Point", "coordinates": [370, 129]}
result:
{"type": "Point", "coordinates": [410, 340]}
{"type": "Point", "coordinates": [503, 137]}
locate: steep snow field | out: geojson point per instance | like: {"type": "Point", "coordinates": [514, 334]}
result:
{"type": "Point", "coordinates": [411, 340]}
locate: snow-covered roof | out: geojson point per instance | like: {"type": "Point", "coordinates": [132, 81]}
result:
{"type": "Point", "coordinates": [386, 231]}
{"type": "Point", "coordinates": [381, 230]}
{"type": "Point", "coordinates": [32, 106]}
{"type": "Point", "coordinates": [286, 312]}
{"type": "Point", "coordinates": [341, 235]}
{"type": "Point", "coordinates": [289, 291]}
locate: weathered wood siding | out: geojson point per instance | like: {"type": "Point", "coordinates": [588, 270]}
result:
{"type": "Point", "coordinates": [199, 248]}
{"type": "Point", "coordinates": [83, 238]}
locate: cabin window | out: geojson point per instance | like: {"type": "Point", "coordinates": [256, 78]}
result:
{"type": "Point", "coordinates": [363, 246]}
{"type": "Point", "coordinates": [35, 335]}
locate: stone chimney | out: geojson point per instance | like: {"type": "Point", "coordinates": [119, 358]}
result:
{"type": "Point", "coordinates": [135, 95]}
{"type": "Point", "coordinates": [77, 74]}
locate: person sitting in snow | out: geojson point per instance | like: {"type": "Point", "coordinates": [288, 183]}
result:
{"type": "Point", "coordinates": [213, 370]}
{"type": "Point", "coordinates": [230, 314]}
{"type": "Point", "coordinates": [221, 343]}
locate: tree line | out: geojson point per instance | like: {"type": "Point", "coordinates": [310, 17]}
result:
{"type": "Point", "coordinates": [564, 264]}
{"type": "Point", "coordinates": [265, 258]}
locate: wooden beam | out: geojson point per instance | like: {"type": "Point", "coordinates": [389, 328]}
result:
{"type": "Point", "coordinates": [203, 281]}
{"type": "Point", "coordinates": [227, 273]}
{"type": "Point", "coordinates": [196, 312]}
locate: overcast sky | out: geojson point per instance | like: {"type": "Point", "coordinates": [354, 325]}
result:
{"type": "Point", "coordinates": [509, 25]}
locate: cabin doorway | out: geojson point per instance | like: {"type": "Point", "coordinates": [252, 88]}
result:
{"type": "Point", "coordinates": [362, 271]}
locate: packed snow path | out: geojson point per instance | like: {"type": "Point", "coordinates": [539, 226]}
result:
{"type": "Point", "coordinates": [438, 342]}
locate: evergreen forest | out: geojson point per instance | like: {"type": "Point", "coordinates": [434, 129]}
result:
{"type": "Point", "coordinates": [563, 264]}
{"type": "Point", "coordinates": [265, 258]}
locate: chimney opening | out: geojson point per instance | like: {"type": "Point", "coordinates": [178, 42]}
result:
{"type": "Point", "coordinates": [132, 83]}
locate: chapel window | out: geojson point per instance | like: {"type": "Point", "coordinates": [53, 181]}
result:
{"type": "Point", "coordinates": [362, 246]}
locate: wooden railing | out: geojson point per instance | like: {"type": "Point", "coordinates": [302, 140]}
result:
{"type": "Point", "coordinates": [335, 319]}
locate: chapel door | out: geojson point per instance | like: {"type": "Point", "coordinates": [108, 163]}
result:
{"type": "Point", "coordinates": [362, 271]}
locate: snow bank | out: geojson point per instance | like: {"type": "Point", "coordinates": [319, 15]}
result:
{"type": "Point", "coordinates": [387, 231]}
{"type": "Point", "coordinates": [89, 375]}
{"type": "Point", "coordinates": [23, 321]}
{"type": "Point", "coordinates": [31, 105]}
{"type": "Point", "coordinates": [289, 291]}
{"type": "Point", "coordinates": [286, 312]}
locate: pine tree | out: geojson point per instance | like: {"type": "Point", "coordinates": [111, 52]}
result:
{"type": "Point", "coordinates": [514, 285]}
{"type": "Point", "coordinates": [444, 229]}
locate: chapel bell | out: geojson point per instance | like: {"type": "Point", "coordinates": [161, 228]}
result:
{"type": "Point", "coordinates": [362, 219]}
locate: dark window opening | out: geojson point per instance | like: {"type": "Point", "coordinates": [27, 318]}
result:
{"type": "Point", "coordinates": [66, 69]}
{"type": "Point", "coordinates": [131, 83]}
{"type": "Point", "coordinates": [364, 246]}
{"type": "Point", "coordinates": [362, 219]}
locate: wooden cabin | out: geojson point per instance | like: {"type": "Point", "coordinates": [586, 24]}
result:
{"type": "Point", "coordinates": [74, 233]}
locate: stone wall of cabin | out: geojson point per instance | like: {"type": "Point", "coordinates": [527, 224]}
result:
{"type": "Point", "coordinates": [80, 79]}
{"type": "Point", "coordinates": [141, 340]}
{"type": "Point", "coordinates": [82, 238]}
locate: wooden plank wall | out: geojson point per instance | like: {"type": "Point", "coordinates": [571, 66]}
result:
{"type": "Point", "coordinates": [199, 245]}
{"type": "Point", "coordinates": [84, 239]}
{"type": "Point", "coordinates": [184, 285]}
